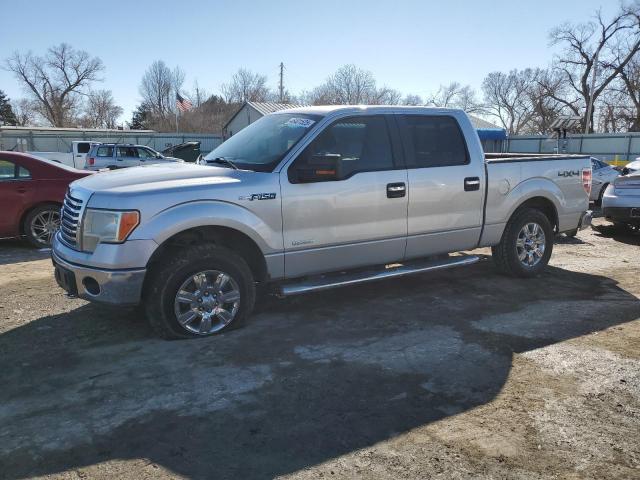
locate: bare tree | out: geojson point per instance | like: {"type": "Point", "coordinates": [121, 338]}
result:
{"type": "Point", "coordinates": [57, 81]}
{"type": "Point", "coordinates": [507, 98]}
{"type": "Point", "coordinates": [351, 85]}
{"type": "Point", "coordinates": [630, 88]}
{"type": "Point", "coordinates": [412, 99]}
{"type": "Point", "coordinates": [600, 50]}
{"type": "Point", "coordinates": [158, 90]}
{"type": "Point", "coordinates": [456, 95]}
{"type": "Point", "coordinates": [101, 110]}
{"type": "Point", "coordinates": [25, 111]}
{"type": "Point", "coordinates": [245, 86]}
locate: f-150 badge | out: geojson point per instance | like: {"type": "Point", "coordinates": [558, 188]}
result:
{"type": "Point", "coordinates": [257, 196]}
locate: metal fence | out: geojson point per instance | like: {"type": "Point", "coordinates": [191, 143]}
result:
{"type": "Point", "coordinates": [59, 140]}
{"type": "Point", "coordinates": [614, 148]}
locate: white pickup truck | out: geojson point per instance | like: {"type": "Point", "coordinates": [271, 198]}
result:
{"type": "Point", "coordinates": [76, 158]}
{"type": "Point", "coordinates": [308, 199]}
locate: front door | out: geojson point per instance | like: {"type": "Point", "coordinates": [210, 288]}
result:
{"type": "Point", "coordinates": [127, 157]}
{"type": "Point", "coordinates": [357, 218]}
{"type": "Point", "coordinates": [15, 193]}
{"type": "Point", "coordinates": [446, 188]}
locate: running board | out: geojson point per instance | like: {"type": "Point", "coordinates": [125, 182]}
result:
{"type": "Point", "coordinates": [325, 282]}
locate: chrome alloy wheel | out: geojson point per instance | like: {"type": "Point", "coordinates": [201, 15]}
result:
{"type": "Point", "coordinates": [45, 225]}
{"type": "Point", "coordinates": [531, 244]}
{"type": "Point", "coordinates": [207, 302]}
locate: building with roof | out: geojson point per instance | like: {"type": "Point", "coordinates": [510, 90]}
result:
{"type": "Point", "coordinates": [249, 112]}
{"type": "Point", "coordinates": [491, 136]}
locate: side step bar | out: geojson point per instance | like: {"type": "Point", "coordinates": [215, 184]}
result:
{"type": "Point", "coordinates": [324, 282]}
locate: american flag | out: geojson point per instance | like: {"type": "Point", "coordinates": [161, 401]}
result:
{"type": "Point", "coordinates": [182, 103]}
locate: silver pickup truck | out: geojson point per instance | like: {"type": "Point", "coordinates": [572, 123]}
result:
{"type": "Point", "coordinates": [308, 199]}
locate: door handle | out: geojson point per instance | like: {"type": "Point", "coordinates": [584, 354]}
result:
{"type": "Point", "coordinates": [396, 190]}
{"type": "Point", "coordinates": [118, 159]}
{"type": "Point", "coordinates": [471, 184]}
{"type": "Point", "coordinates": [21, 189]}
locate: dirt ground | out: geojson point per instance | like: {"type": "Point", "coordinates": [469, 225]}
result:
{"type": "Point", "coordinates": [457, 374]}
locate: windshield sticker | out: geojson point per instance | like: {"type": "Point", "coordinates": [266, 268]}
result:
{"type": "Point", "coordinates": [299, 122]}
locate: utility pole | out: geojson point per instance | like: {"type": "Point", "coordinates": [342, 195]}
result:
{"type": "Point", "coordinates": [281, 82]}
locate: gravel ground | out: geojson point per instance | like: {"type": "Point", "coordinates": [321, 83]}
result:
{"type": "Point", "coordinates": [458, 374]}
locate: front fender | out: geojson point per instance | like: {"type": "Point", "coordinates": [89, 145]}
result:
{"type": "Point", "coordinates": [166, 223]}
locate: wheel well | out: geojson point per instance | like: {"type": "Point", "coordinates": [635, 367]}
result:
{"type": "Point", "coordinates": [31, 209]}
{"type": "Point", "coordinates": [544, 205]}
{"type": "Point", "coordinates": [224, 236]}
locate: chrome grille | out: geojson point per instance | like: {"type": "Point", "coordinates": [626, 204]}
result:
{"type": "Point", "coordinates": [70, 220]}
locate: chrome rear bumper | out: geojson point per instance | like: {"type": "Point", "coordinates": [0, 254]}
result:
{"type": "Point", "coordinates": [585, 220]}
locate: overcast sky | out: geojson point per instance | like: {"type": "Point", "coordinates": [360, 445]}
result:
{"type": "Point", "coordinates": [412, 46]}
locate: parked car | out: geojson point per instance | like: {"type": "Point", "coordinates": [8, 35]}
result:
{"type": "Point", "coordinates": [74, 158]}
{"type": "Point", "coordinates": [120, 155]}
{"type": "Point", "coordinates": [603, 175]}
{"type": "Point", "coordinates": [621, 201]}
{"type": "Point", "coordinates": [632, 167]}
{"type": "Point", "coordinates": [31, 193]}
{"type": "Point", "coordinates": [308, 199]}
{"type": "Point", "coordinates": [188, 151]}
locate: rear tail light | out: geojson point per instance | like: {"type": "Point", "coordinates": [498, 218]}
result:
{"type": "Point", "coordinates": [90, 161]}
{"type": "Point", "coordinates": [586, 180]}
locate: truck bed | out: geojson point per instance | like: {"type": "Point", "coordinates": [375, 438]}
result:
{"type": "Point", "coordinates": [529, 157]}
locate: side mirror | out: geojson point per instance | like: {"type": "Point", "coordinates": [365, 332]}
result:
{"type": "Point", "coordinates": [159, 156]}
{"type": "Point", "coordinates": [322, 167]}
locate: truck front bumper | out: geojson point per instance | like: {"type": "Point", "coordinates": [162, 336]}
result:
{"type": "Point", "coordinates": [115, 287]}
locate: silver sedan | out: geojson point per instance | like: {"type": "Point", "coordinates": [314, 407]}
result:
{"type": "Point", "coordinates": [621, 201]}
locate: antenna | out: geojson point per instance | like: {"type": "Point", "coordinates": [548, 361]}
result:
{"type": "Point", "coordinates": [281, 82]}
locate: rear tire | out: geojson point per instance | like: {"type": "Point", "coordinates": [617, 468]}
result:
{"type": "Point", "coordinates": [41, 224]}
{"type": "Point", "coordinates": [217, 292]}
{"type": "Point", "coordinates": [524, 250]}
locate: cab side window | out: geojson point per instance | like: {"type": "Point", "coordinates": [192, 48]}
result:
{"type": "Point", "coordinates": [84, 147]}
{"type": "Point", "coordinates": [145, 153]}
{"type": "Point", "coordinates": [23, 173]}
{"type": "Point", "coordinates": [7, 170]}
{"type": "Point", "coordinates": [433, 141]}
{"type": "Point", "coordinates": [359, 144]}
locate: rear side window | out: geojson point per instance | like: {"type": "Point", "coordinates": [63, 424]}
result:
{"type": "Point", "coordinates": [433, 141]}
{"type": "Point", "coordinates": [7, 170]}
{"type": "Point", "coordinates": [84, 147]}
{"type": "Point", "coordinates": [23, 173]}
{"type": "Point", "coordinates": [104, 152]}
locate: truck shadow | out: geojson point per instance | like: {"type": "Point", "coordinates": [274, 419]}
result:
{"type": "Point", "coordinates": [16, 250]}
{"type": "Point", "coordinates": [310, 378]}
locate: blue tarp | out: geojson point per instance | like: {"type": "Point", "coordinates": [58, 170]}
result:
{"type": "Point", "coordinates": [492, 133]}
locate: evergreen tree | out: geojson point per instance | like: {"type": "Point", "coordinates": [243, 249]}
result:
{"type": "Point", "coordinates": [140, 119]}
{"type": "Point", "coordinates": [7, 117]}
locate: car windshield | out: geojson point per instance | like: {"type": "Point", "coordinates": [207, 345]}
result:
{"type": "Point", "coordinates": [264, 143]}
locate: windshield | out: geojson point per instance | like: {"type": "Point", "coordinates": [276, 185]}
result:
{"type": "Point", "coordinates": [264, 143]}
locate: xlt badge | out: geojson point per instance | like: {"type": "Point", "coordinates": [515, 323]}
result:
{"type": "Point", "coordinates": [258, 196]}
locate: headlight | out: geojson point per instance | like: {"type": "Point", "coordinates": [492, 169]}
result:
{"type": "Point", "coordinates": [107, 226]}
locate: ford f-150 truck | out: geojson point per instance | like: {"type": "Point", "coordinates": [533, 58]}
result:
{"type": "Point", "coordinates": [307, 199]}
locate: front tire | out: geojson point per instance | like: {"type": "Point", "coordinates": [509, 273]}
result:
{"type": "Point", "coordinates": [526, 244]}
{"type": "Point", "coordinates": [198, 291]}
{"type": "Point", "coordinates": [41, 224]}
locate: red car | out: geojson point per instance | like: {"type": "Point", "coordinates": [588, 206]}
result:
{"type": "Point", "coordinates": [31, 194]}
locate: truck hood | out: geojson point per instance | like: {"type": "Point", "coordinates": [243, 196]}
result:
{"type": "Point", "coordinates": [158, 177]}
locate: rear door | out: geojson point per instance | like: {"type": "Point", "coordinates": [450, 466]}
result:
{"type": "Point", "coordinates": [357, 219]}
{"type": "Point", "coordinates": [81, 149]}
{"type": "Point", "coordinates": [445, 187]}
